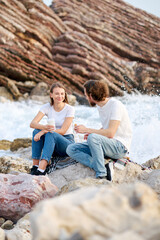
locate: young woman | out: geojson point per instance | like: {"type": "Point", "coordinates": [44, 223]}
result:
{"type": "Point", "coordinates": [49, 139]}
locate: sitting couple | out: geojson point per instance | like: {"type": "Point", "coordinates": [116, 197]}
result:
{"type": "Point", "coordinates": [111, 141]}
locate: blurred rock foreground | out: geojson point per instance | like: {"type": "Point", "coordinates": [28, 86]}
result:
{"type": "Point", "coordinates": [74, 41]}
{"type": "Point", "coordinates": [84, 207]}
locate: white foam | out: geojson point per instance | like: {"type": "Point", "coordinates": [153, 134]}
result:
{"type": "Point", "coordinates": [144, 111]}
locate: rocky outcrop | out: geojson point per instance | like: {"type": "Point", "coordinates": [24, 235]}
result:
{"type": "Point", "coordinates": [19, 193]}
{"type": "Point", "coordinates": [5, 144]}
{"type": "Point", "coordinates": [99, 213]}
{"type": "Point", "coordinates": [14, 164]}
{"type": "Point", "coordinates": [21, 231]}
{"type": "Point", "coordinates": [28, 30]}
{"type": "Point", "coordinates": [20, 142]}
{"type": "Point", "coordinates": [110, 40]}
{"type": "Point", "coordinates": [76, 41]}
{"type": "Point", "coordinates": [131, 206]}
{"type": "Point", "coordinates": [153, 163]}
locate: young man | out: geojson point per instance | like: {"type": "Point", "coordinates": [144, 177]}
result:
{"type": "Point", "coordinates": [112, 140]}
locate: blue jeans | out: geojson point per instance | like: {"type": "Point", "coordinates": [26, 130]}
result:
{"type": "Point", "coordinates": [49, 143]}
{"type": "Point", "coordinates": [92, 153]}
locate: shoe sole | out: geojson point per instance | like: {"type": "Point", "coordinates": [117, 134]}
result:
{"type": "Point", "coordinates": [110, 171]}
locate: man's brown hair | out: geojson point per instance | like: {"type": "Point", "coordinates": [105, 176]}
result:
{"type": "Point", "coordinates": [97, 89]}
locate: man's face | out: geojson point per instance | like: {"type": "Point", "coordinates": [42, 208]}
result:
{"type": "Point", "coordinates": [89, 98]}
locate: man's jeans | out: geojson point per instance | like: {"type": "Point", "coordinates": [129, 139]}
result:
{"type": "Point", "coordinates": [49, 143]}
{"type": "Point", "coordinates": [92, 152]}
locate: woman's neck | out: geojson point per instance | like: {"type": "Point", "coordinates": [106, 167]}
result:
{"type": "Point", "coordinates": [58, 106]}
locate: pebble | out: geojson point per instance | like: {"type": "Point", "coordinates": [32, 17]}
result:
{"type": "Point", "coordinates": [7, 225]}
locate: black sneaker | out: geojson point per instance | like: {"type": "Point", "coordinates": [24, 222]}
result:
{"type": "Point", "coordinates": [102, 177]}
{"type": "Point", "coordinates": [110, 171]}
{"type": "Point", "coordinates": [38, 173]}
{"type": "Point", "coordinates": [33, 170]}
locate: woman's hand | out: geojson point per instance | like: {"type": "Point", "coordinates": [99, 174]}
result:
{"type": "Point", "coordinates": [38, 136]}
{"type": "Point", "coordinates": [49, 128]}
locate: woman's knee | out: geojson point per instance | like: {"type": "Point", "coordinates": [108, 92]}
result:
{"type": "Point", "coordinates": [35, 131]}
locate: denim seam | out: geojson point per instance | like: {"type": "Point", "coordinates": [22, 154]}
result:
{"type": "Point", "coordinates": [36, 157]}
{"type": "Point", "coordinates": [45, 158]}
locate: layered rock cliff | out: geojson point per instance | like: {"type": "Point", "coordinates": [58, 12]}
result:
{"type": "Point", "coordinates": [28, 31]}
{"type": "Point", "coordinates": [77, 40]}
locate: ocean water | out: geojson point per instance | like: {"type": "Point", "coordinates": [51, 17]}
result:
{"type": "Point", "coordinates": [144, 112]}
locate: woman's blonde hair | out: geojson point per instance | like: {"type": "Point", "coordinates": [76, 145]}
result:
{"type": "Point", "coordinates": [58, 85]}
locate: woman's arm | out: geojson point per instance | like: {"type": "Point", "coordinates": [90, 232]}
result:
{"type": "Point", "coordinates": [65, 126]}
{"type": "Point", "coordinates": [35, 123]}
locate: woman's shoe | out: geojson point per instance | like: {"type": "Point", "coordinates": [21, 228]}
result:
{"type": "Point", "coordinates": [38, 173]}
{"type": "Point", "coordinates": [33, 170]}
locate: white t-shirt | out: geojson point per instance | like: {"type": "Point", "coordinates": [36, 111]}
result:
{"type": "Point", "coordinates": [115, 110]}
{"type": "Point", "coordinates": [59, 117]}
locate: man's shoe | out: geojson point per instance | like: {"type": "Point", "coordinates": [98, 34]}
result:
{"type": "Point", "coordinates": [38, 173]}
{"type": "Point", "coordinates": [33, 170]}
{"type": "Point", "coordinates": [110, 171]}
{"type": "Point", "coordinates": [102, 177]}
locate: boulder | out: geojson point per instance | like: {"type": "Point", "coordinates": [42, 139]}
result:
{"type": "Point", "coordinates": [21, 142]}
{"type": "Point", "coordinates": [153, 180]}
{"type": "Point", "coordinates": [99, 213]}
{"type": "Point", "coordinates": [81, 183]}
{"type": "Point", "coordinates": [14, 164]}
{"type": "Point", "coordinates": [41, 89]}
{"type": "Point", "coordinates": [153, 163]}
{"type": "Point", "coordinates": [19, 193]}
{"type": "Point", "coordinates": [71, 99]}
{"type": "Point", "coordinates": [5, 93]}
{"type": "Point", "coordinates": [2, 234]}
{"type": "Point", "coordinates": [61, 177]}
{"type": "Point", "coordinates": [22, 229]}
{"type": "Point", "coordinates": [5, 144]}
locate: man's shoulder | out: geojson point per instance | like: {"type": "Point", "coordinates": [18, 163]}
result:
{"type": "Point", "coordinates": [115, 101]}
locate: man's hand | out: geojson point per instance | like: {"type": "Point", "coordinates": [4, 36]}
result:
{"type": "Point", "coordinates": [86, 136]}
{"type": "Point", "coordinates": [80, 129]}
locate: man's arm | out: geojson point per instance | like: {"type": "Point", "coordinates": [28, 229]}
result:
{"type": "Point", "coordinates": [109, 132]}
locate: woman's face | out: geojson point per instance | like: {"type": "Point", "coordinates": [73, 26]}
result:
{"type": "Point", "coordinates": [58, 95]}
